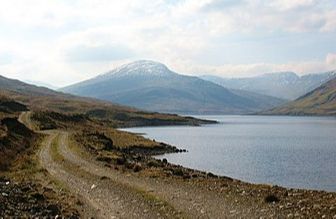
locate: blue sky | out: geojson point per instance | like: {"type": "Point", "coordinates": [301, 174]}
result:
{"type": "Point", "coordinates": [62, 42]}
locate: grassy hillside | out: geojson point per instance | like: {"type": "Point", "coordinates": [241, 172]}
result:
{"type": "Point", "coordinates": [15, 138]}
{"type": "Point", "coordinates": [321, 101]}
{"type": "Point", "coordinates": [84, 116]}
{"type": "Point", "coordinates": [41, 99]}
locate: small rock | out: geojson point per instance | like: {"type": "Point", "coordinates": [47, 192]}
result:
{"type": "Point", "coordinates": [93, 186]}
{"type": "Point", "coordinates": [4, 194]}
{"type": "Point", "coordinates": [290, 215]}
{"type": "Point", "coordinates": [7, 183]}
{"type": "Point", "coordinates": [316, 206]}
{"type": "Point", "coordinates": [38, 196]}
{"type": "Point", "coordinates": [104, 178]}
{"type": "Point", "coordinates": [54, 209]}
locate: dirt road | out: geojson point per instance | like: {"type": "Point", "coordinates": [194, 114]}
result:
{"type": "Point", "coordinates": [109, 193]}
{"type": "Point", "coordinates": [109, 199]}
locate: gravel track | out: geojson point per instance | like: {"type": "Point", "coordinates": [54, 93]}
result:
{"type": "Point", "coordinates": [110, 193]}
{"type": "Point", "coordinates": [108, 198]}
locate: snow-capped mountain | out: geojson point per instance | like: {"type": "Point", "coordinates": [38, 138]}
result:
{"type": "Point", "coordinates": [152, 86]}
{"type": "Point", "coordinates": [141, 68]}
{"type": "Point", "coordinates": [285, 85]}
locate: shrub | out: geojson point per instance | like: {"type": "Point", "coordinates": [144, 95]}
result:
{"type": "Point", "coordinates": [137, 167]}
{"type": "Point", "coordinates": [271, 199]}
{"type": "Point", "coordinates": [153, 163]}
{"type": "Point", "coordinates": [178, 172]}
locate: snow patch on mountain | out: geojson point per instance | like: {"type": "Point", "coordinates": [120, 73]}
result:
{"type": "Point", "coordinates": [141, 68]}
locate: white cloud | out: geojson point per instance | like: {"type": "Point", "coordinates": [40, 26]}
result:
{"type": "Point", "coordinates": [249, 70]}
{"type": "Point", "coordinates": [285, 5]}
{"type": "Point", "coordinates": [42, 36]}
{"type": "Point", "coordinates": [330, 21]}
{"type": "Point", "coordinates": [331, 59]}
{"type": "Point", "coordinates": [283, 15]}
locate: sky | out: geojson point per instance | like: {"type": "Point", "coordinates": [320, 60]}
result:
{"type": "Point", "coordinates": [61, 42]}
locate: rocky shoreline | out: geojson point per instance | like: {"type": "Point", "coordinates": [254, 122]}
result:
{"type": "Point", "coordinates": [198, 193]}
{"type": "Point", "coordinates": [271, 200]}
{"type": "Point", "coordinates": [30, 200]}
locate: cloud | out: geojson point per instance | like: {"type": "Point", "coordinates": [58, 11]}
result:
{"type": "Point", "coordinates": [285, 5]}
{"type": "Point", "coordinates": [5, 58]}
{"type": "Point", "coordinates": [67, 41]}
{"type": "Point", "coordinates": [220, 5]}
{"type": "Point", "coordinates": [330, 21]}
{"type": "Point", "coordinates": [276, 15]}
{"type": "Point", "coordinates": [99, 53]}
{"type": "Point", "coordinates": [249, 70]}
{"type": "Point", "coordinates": [331, 59]}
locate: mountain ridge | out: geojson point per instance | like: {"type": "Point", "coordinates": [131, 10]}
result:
{"type": "Point", "coordinates": [137, 84]}
{"type": "Point", "coordinates": [41, 99]}
{"type": "Point", "coordinates": [284, 85]}
{"type": "Point", "coordinates": [320, 101]}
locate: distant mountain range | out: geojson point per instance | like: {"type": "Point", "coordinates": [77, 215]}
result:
{"type": "Point", "coordinates": [152, 86]}
{"type": "Point", "coordinates": [320, 101]}
{"type": "Point", "coordinates": [22, 87]}
{"type": "Point", "coordinates": [41, 84]}
{"type": "Point", "coordinates": [285, 85]}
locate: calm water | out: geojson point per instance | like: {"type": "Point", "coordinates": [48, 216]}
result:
{"type": "Point", "coordinates": [297, 152]}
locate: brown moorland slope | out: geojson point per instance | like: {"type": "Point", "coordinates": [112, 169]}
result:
{"type": "Point", "coordinates": [23, 182]}
{"type": "Point", "coordinates": [321, 101]}
{"type": "Point", "coordinates": [15, 138]}
{"type": "Point", "coordinates": [22, 194]}
{"type": "Point", "coordinates": [43, 99]}
{"type": "Point", "coordinates": [85, 168]}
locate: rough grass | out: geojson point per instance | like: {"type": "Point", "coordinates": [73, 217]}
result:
{"type": "Point", "coordinates": [124, 139]}
{"type": "Point", "coordinates": [15, 140]}
{"type": "Point", "coordinates": [54, 150]}
{"type": "Point", "coordinates": [321, 101]}
{"type": "Point", "coordinates": [111, 114]}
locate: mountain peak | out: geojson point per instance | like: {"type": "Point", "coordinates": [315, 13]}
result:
{"type": "Point", "coordinates": [281, 75]}
{"type": "Point", "coordinates": [141, 68]}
